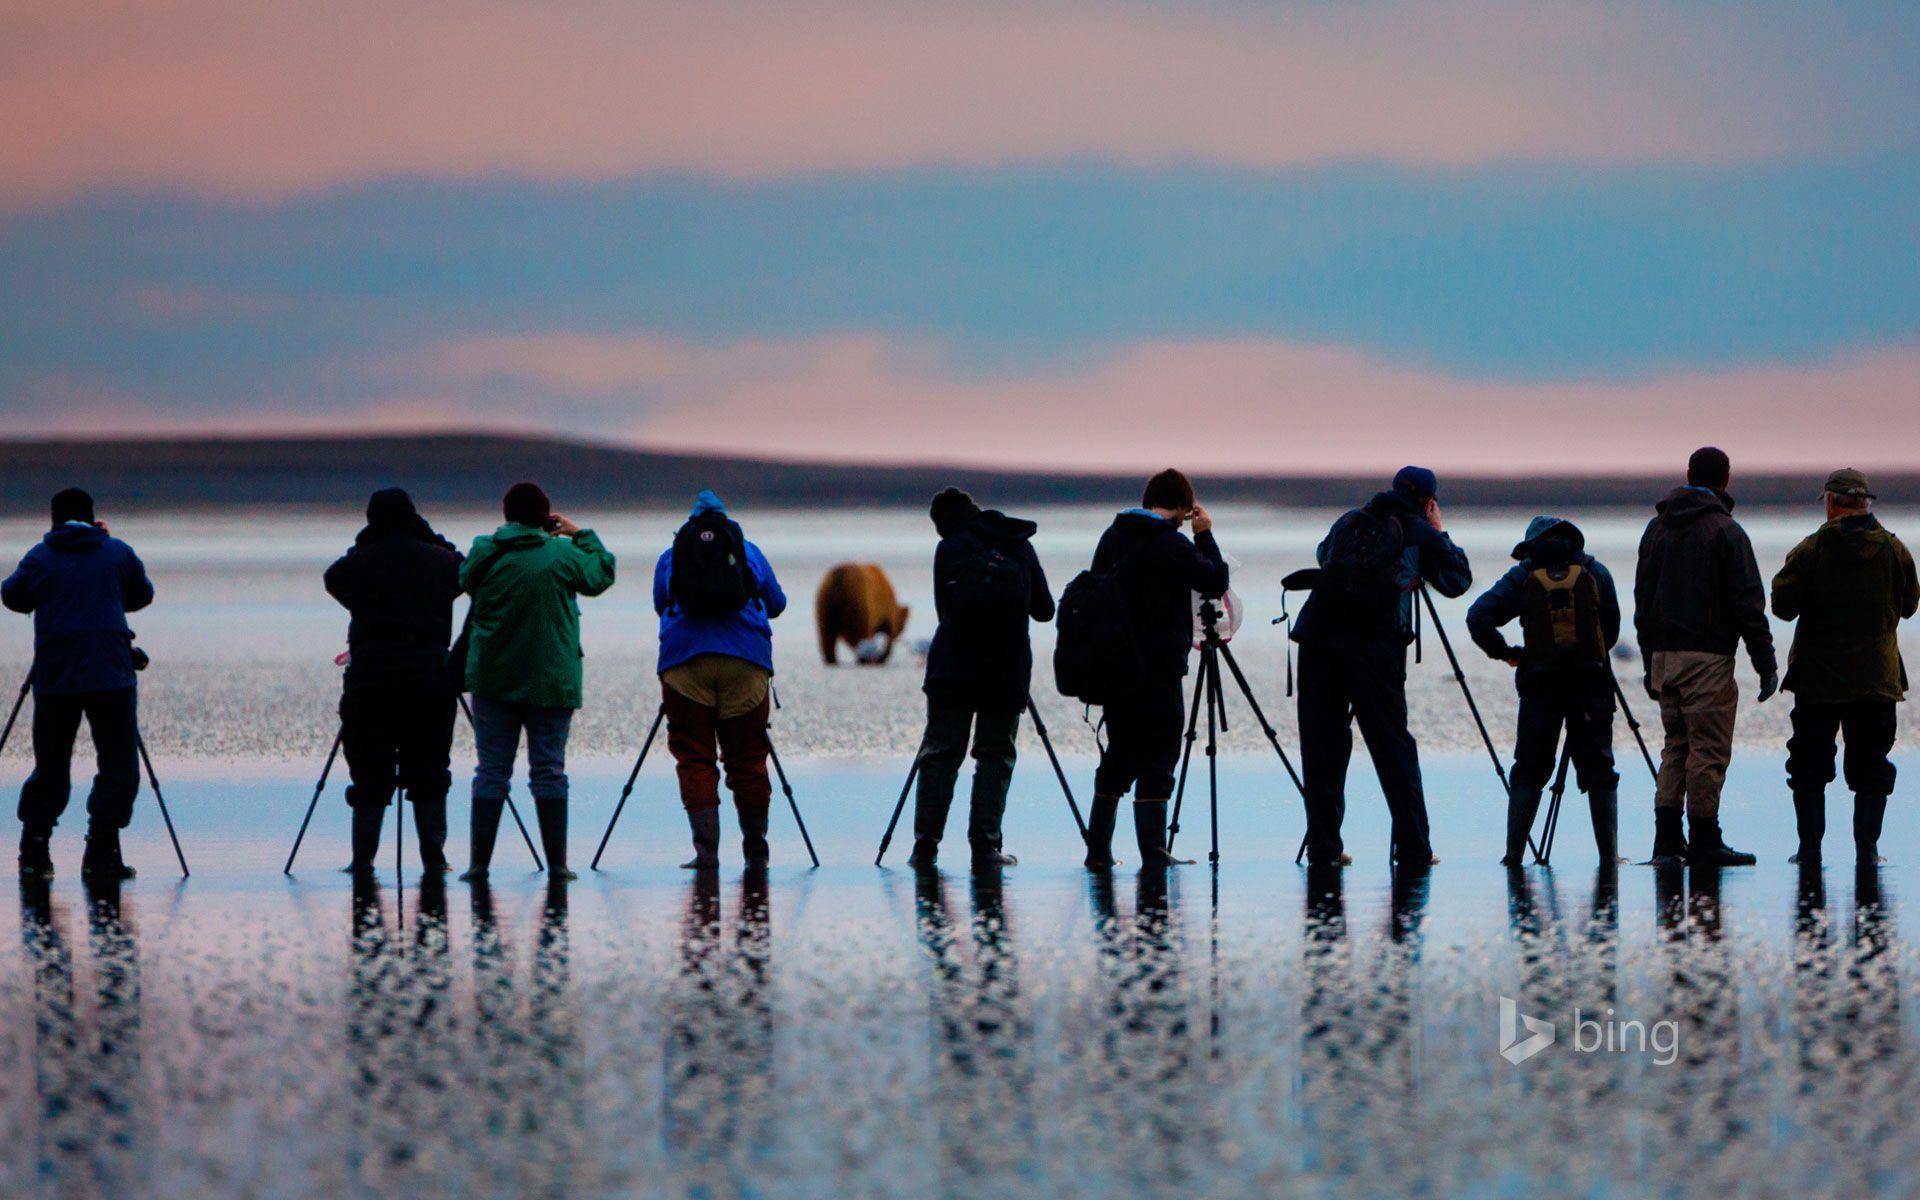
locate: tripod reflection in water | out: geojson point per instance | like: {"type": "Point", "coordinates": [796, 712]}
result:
{"type": "Point", "coordinates": [717, 1097]}
{"type": "Point", "coordinates": [983, 1056]}
{"type": "Point", "coordinates": [86, 1065]}
{"type": "Point", "coordinates": [1358, 1087]}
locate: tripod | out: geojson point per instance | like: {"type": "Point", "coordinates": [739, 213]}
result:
{"type": "Point", "coordinates": [26, 686]}
{"type": "Point", "coordinates": [1552, 826]}
{"type": "Point", "coordinates": [773, 755]}
{"type": "Point", "coordinates": [338, 739]}
{"type": "Point", "coordinates": [1208, 688]}
{"type": "Point", "coordinates": [913, 772]}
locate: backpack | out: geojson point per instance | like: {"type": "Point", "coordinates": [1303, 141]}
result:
{"type": "Point", "coordinates": [987, 591]}
{"type": "Point", "coordinates": [1361, 560]}
{"type": "Point", "coordinates": [1560, 617]}
{"type": "Point", "coordinates": [1096, 653]}
{"type": "Point", "coordinates": [711, 576]}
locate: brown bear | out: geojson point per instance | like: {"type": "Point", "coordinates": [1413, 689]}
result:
{"type": "Point", "coordinates": [856, 605]}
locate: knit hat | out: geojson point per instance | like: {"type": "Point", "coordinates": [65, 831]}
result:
{"type": "Point", "coordinates": [72, 504]}
{"type": "Point", "coordinates": [390, 506]}
{"type": "Point", "coordinates": [951, 510]}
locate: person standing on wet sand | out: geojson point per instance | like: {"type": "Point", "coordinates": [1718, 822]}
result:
{"type": "Point", "coordinates": [523, 661]}
{"type": "Point", "coordinates": [1697, 595]}
{"type": "Point", "coordinates": [717, 597]}
{"type": "Point", "coordinates": [1353, 632]}
{"type": "Point", "coordinates": [80, 582]}
{"type": "Point", "coordinates": [987, 585]}
{"type": "Point", "coordinates": [1569, 616]}
{"type": "Point", "coordinates": [1849, 585]}
{"type": "Point", "coordinates": [398, 580]}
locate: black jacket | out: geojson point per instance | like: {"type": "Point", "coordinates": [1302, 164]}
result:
{"type": "Point", "coordinates": [1698, 586]}
{"type": "Point", "coordinates": [1427, 557]}
{"type": "Point", "coordinates": [399, 581]}
{"type": "Point", "coordinates": [1161, 570]}
{"type": "Point", "coordinates": [988, 670]}
{"type": "Point", "coordinates": [1557, 543]}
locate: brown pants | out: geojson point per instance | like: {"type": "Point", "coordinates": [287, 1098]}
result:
{"type": "Point", "coordinates": [1698, 701]}
{"type": "Point", "coordinates": [717, 715]}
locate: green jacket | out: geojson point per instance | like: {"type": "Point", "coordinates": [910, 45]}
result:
{"type": "Point", "coordinates": [525, 644]}
{"type": "Point", "coordinates": [1850, 585]}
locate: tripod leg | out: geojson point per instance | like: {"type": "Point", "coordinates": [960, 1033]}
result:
{"type": "Point", "coordinates": [1216, 720]}
{"type": "Point", "coordinates": [628, 790]}
{"type": "Point", "coordinates": [26, 685]}
{"type": "Point", "coordinates": [1266, 726]}
{"type": "Point", "coordinates": [164, 815]}
{"type": "Point", "coordinates": [906, 788]}
{"type": "Point", "coordinates": [315, 802]}
{"type": "Point", "coordinates": [399, 839]}
{"type": "Point", "coordinates": [1460, 677]}
{"type": "Point", "coordinates": [788, 789]}
{"type": "Point", "coordinates": [1040, 727]}
{"type": "Point", "coordinates": [1186, 755]}
{"type": "Point", "coordinates": [1545, 855]}
{"type": "Point", "coordinates": [1626, 710]}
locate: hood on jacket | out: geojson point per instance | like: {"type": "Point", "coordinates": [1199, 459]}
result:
{"type": "Point", "coordinates": [72, 538]}
{"type": "Point", "coordinates": [707, 502]}
{"type": "Point", "coordinates": [1860, 535]}
{"type": "Point", "coordinates": [1395, 502]}
{"type": "Point", "coordinates": [512, 534]}
{"type": "Point", "coordinates": [1686, 504]}
{"type": "Point", "coordinates": [1551, 538]}
{"type": "Point", "coordinates": [952, 510]}
{"type": "Point", "coordinates": [999, 527]}
{"type": "Point", "coordinates": [390, 513]}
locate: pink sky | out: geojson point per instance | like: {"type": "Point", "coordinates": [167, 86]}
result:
{"type": "Point", "coordinates": [251, 99]}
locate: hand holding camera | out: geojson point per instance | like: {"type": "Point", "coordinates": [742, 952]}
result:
{"type": "Point", "coordinates": [1202, 519]}
{"type": "Point", "coordinates": [559, 526]}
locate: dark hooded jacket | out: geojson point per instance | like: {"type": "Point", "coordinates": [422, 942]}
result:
{"type": "Point", "coordinates": [398, 581]}
{"type": "Point", "coordinates": [989, 670]}
{"type": "Point", "coordinates": [1160, 570]}
{"type": "Point", "coordinates": [1427, 556]}
{"type": "Point", "coordinates": [79, 583]}
{"type": "Point", "coordinates": [1550, 542]}
{"type": "Point", "coordinates": [1849, 585]}
{"type": "Point", "coordinates": [1698, 586]}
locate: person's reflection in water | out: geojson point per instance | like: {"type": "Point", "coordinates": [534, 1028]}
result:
{"type": "Point", "coordinates": [717, 1117]}
{"type": "Point", "coordinates": [1331, 1058]}
{"type": "Point", "coordinates": [1143, 1054]}
{"type": "Point", "coordinates": [88, 1080]}
{"type": "Point", "coordinates": [1701, 1089]}
{"type": "Point", "coordinates": [983, 1084]}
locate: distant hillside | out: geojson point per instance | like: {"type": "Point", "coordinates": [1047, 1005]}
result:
{"type": "Point", "coordinates": [475, 468]}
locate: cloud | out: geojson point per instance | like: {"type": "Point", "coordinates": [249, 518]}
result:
{"type": "Point", "coordinates": [239, 98]}
{"type": "Point", "coordinates": [1241, 404]}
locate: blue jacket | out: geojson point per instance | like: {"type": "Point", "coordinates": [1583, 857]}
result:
{"type": "Point", "coordinates": [745, 634]}
{"type": "Point", "coordinates": [1549, 541]}
{"type": "Point", "coordinates": [1427, 557]}
{"type": "Point", "coordinates": [79, 583]}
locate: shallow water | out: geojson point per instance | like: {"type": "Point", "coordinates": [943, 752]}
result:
{"type": "Point", "coordinates": [861, 1032]}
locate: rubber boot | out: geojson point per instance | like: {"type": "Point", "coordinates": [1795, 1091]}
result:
{"type": "Point", "coordinates": [485, 828]}
{"type": "Point", "coordinates": [1604, 808]}
{"type": "Point", "coordinates": [1522, 805]}
{"type": "Point", "coordinates": [1810, 815]}
{"type": "Point", "coordinates": [1100, 819]}
{"type": "Point", "coordinates": [989, 856]}
{"type": "Point", "coordinates": [367, 820]}
{"type": "Point", "coordinates": [929, 822]}
{"type": "Point", "coordinates": [1150, 832]}
{"type": "Point", "coordinates": [430, 823]}
{"type": "Point", "coordinates": [102, 857]}
{"type": "Point", "coordinates": [1669, 839]}
{"type": "Point", "coordinates": [705, 823]}
{"type": "Point", "coordinates": [1868, 813]}
{"type": "Point", "coordinates": [1706, 848]}
{"type": "Point", "coordinates": [36, 852]}
{"type": "Point", "coordinates": [753, 839]}
{"type": "Point", "coordinates": [552, 813]}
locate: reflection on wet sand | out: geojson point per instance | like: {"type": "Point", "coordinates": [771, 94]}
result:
{"type": "Point", "coordinates": [86, 1072]}
{"type": "Point", "coordinates": [983, 1064]}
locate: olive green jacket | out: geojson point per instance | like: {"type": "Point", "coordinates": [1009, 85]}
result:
{"type": "Point", "coordinates": [1849, 585]}
{"type": "Point", "coordinates": [525, 644]}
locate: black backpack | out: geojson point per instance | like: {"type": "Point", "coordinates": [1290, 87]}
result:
{"type": "Point", "coordinates": [1361, 560]}
{"type": "Point", "coordinates": [1096, 653]}
{"type": "Point", "coordinates": [1560, 617]}
{"type": "Point", "coordinates": [711, 576]}
{"type": "Point", "coordinates": [987, 591]}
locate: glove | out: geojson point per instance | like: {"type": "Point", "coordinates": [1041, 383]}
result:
{"type": "Point", "coordinates": [1769, 683]}
{"type": "Point", "coordinates": [1646, 681]}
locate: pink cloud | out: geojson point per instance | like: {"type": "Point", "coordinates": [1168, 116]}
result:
{"type": "Point", "coordinates": [241, 98]}
{"type": "Point", "coordinates": [1241, 405]}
